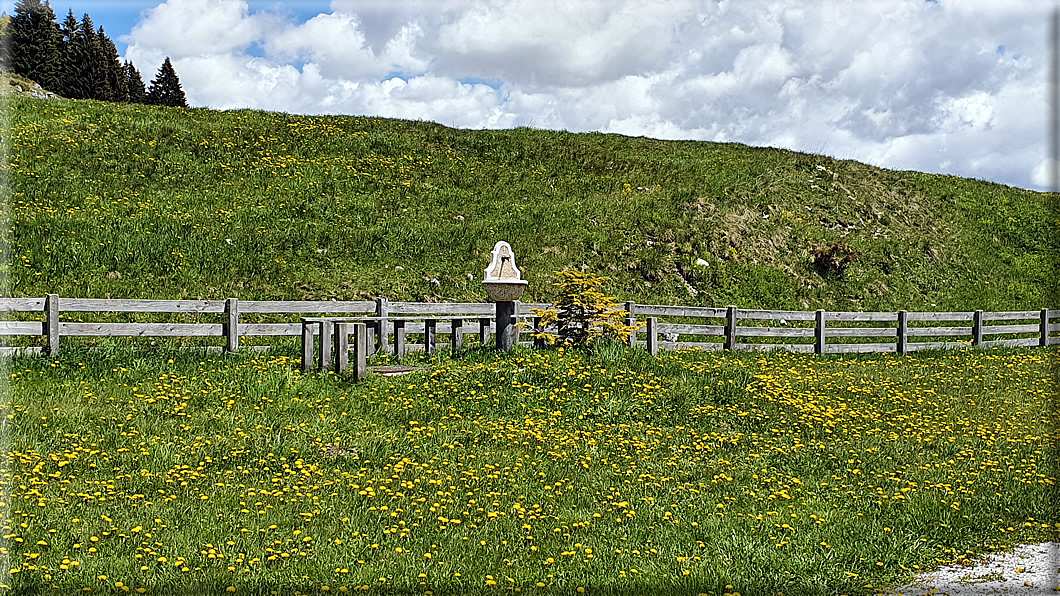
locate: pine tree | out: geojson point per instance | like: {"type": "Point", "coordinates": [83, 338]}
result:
{"type": "Point", "coordinates": [70, 27]}
{"type": "Point", "coordinates": [81, 74]}
{"type": "Point", "coordinates": [70, 85]}
{"type": "Point", "coordinates": [135, 84]}
{"type": "Point", "coordinates": [111, 68]}
{"type": "Point", "coordinates": [165, 88]}
{"type": "Point", "coordinates": [5, 41]}
{"type": "Point", "coordinates": [96, 79]}
{"type": "Point", "coordinates": [35, 43]}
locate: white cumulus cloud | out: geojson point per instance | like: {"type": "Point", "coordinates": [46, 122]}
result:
{"type": "Point", "coordinates": [953, 87]}
{"type": "Point", "coordinates": [201, 27]}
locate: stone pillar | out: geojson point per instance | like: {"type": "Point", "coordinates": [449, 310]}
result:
{"type": "Point", "coordinates": [505, 326]}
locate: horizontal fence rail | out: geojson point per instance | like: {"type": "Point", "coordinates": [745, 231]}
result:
{"type": "Point", "coordinates": [227, 325]}
{"type": "Point", "coordinates": [825, 332]}
{"type": "Point", "coordinates": [660, 326]}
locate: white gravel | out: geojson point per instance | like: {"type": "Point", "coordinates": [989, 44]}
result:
{"type": "Point", "coordinates": [1029, 569]}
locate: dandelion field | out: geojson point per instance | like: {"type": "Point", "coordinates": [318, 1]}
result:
{"type": "Point", "coordinates": [538, 472]}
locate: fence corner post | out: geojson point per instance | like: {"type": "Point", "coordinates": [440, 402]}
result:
{"type": "Point", "coordinates": [730, 328]}
{"type": "Point", "coordinates": [631, 320]}
{"type": "Point", "coordinates": [51, 309]}
{"type": "Point", "coordinates": [653, 336]}
{"type": "Point", "coordinates": [231, 327]}
{"type": "Point", "coordinates": [1043, 328]}
{"type": "Point", "coordinates": [818, 331]}
{"type": "Point", "coordinates": [977, 328]}
{"type": "Point", "coordinates": [903, 331]}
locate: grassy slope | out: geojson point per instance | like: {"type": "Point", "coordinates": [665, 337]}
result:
{"type": "Point", "coordinates": [137, 201]}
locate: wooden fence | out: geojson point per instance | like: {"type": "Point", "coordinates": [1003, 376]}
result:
{"type": "Point", "coordinates": [823, 332]}
{"type": "Point", "coordinates": [668, 327]}
{"type": "Point", "coordinates": [226, 315]}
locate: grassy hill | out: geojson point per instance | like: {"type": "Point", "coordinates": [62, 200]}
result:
{"type": "Point", "coordinates": [137, 201]}
{"type": "Point", "coordinates": [189, 473]}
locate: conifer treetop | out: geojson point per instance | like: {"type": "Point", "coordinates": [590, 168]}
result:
{"type": "Point", "coordinates": [165, 89]}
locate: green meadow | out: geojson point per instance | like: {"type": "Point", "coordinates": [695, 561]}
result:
{"type": "Point", "coordinates": [538, 472]}
{"type": "Point", "coordinates": [139, 468]}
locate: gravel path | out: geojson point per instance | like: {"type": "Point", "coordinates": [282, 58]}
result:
{"type": "Point", "coordinates": [1029, 569]}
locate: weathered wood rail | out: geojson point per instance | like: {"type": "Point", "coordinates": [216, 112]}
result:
{"type": "Point", "coordinates": [226, 315]}
{"type": "Point", "coordinates": [663, 326]}
{"type": "Point", "coordinates": [824, 332]}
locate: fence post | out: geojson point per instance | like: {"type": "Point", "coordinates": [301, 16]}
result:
{"type": "Point", "coordinates": [342, 346]}
{"type": "Point", "coordinates": [818, 346]}
{"type": "Point", "coordinates": [977, 328]}
{"type": "Point", "coordinates": [484, 331]}
{"type": "Point", "coordinates": [307, 345]}
{"type": "Point", "coordinates": [903, 331]}
{"type": "Point", "coordinates": [539, 342]}
{"type": "Point", "coordinates": [399, 338]}
{"type": "Point", "coordinates": [325, 344]}
{"type": "Point", "coordinates": [1043, 329]}
{"type": "Point", "coordinates": [730, 328]}
{"type": "Point", "coordinates": [653, 336]}
{"type": "Point", "coordinates": [631, 320]}
{"type": "Point", "coordinates": [360, 351]}
{"type": "Point", "coordinates": [430, 336]}
{"type": "Point", "coordinates": [51, 308]}
{"type": "Point", "coordinates": [382, 310]}
{"type": "Point", "coordinates": [456, 336]}
{"type": "Point", "coordinates": [232, 325]}
{"type": "Point", "coordinates": [372, 334]}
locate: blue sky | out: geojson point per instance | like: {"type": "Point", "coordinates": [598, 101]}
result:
{"type": "Point", "coordinates": [119, 16]}
{"type": "Point", "coordinates": [947, 86]}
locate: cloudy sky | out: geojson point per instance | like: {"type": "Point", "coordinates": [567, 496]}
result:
{"type": "Point", "coordinates": [949, 86]}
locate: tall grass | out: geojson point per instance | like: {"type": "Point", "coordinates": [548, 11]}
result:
{"type": "Point", "coordinates": [539, 472]}
{"type": "Point", "coordinates": [137, 201]}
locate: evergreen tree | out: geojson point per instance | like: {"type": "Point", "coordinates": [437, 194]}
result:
{"type": "Point", "coordinates": [73, 65]}
{"type": "Point", "coordinates": [112, 69]}
{"type": "Point", "coordinates": [35, 43]}
{"type": "Point", "coordinates": [5, 41]}
{"type": "Point", "coordinates": [135, 84]}
{"type": "Point", "coordinates": [80, 73]}
{"type": "Point", "coordinates": [95, 75]}
{"type": "Point", "coordinates": [70, 28]}
{"type": "Point", "coordinates": [165, 88]}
